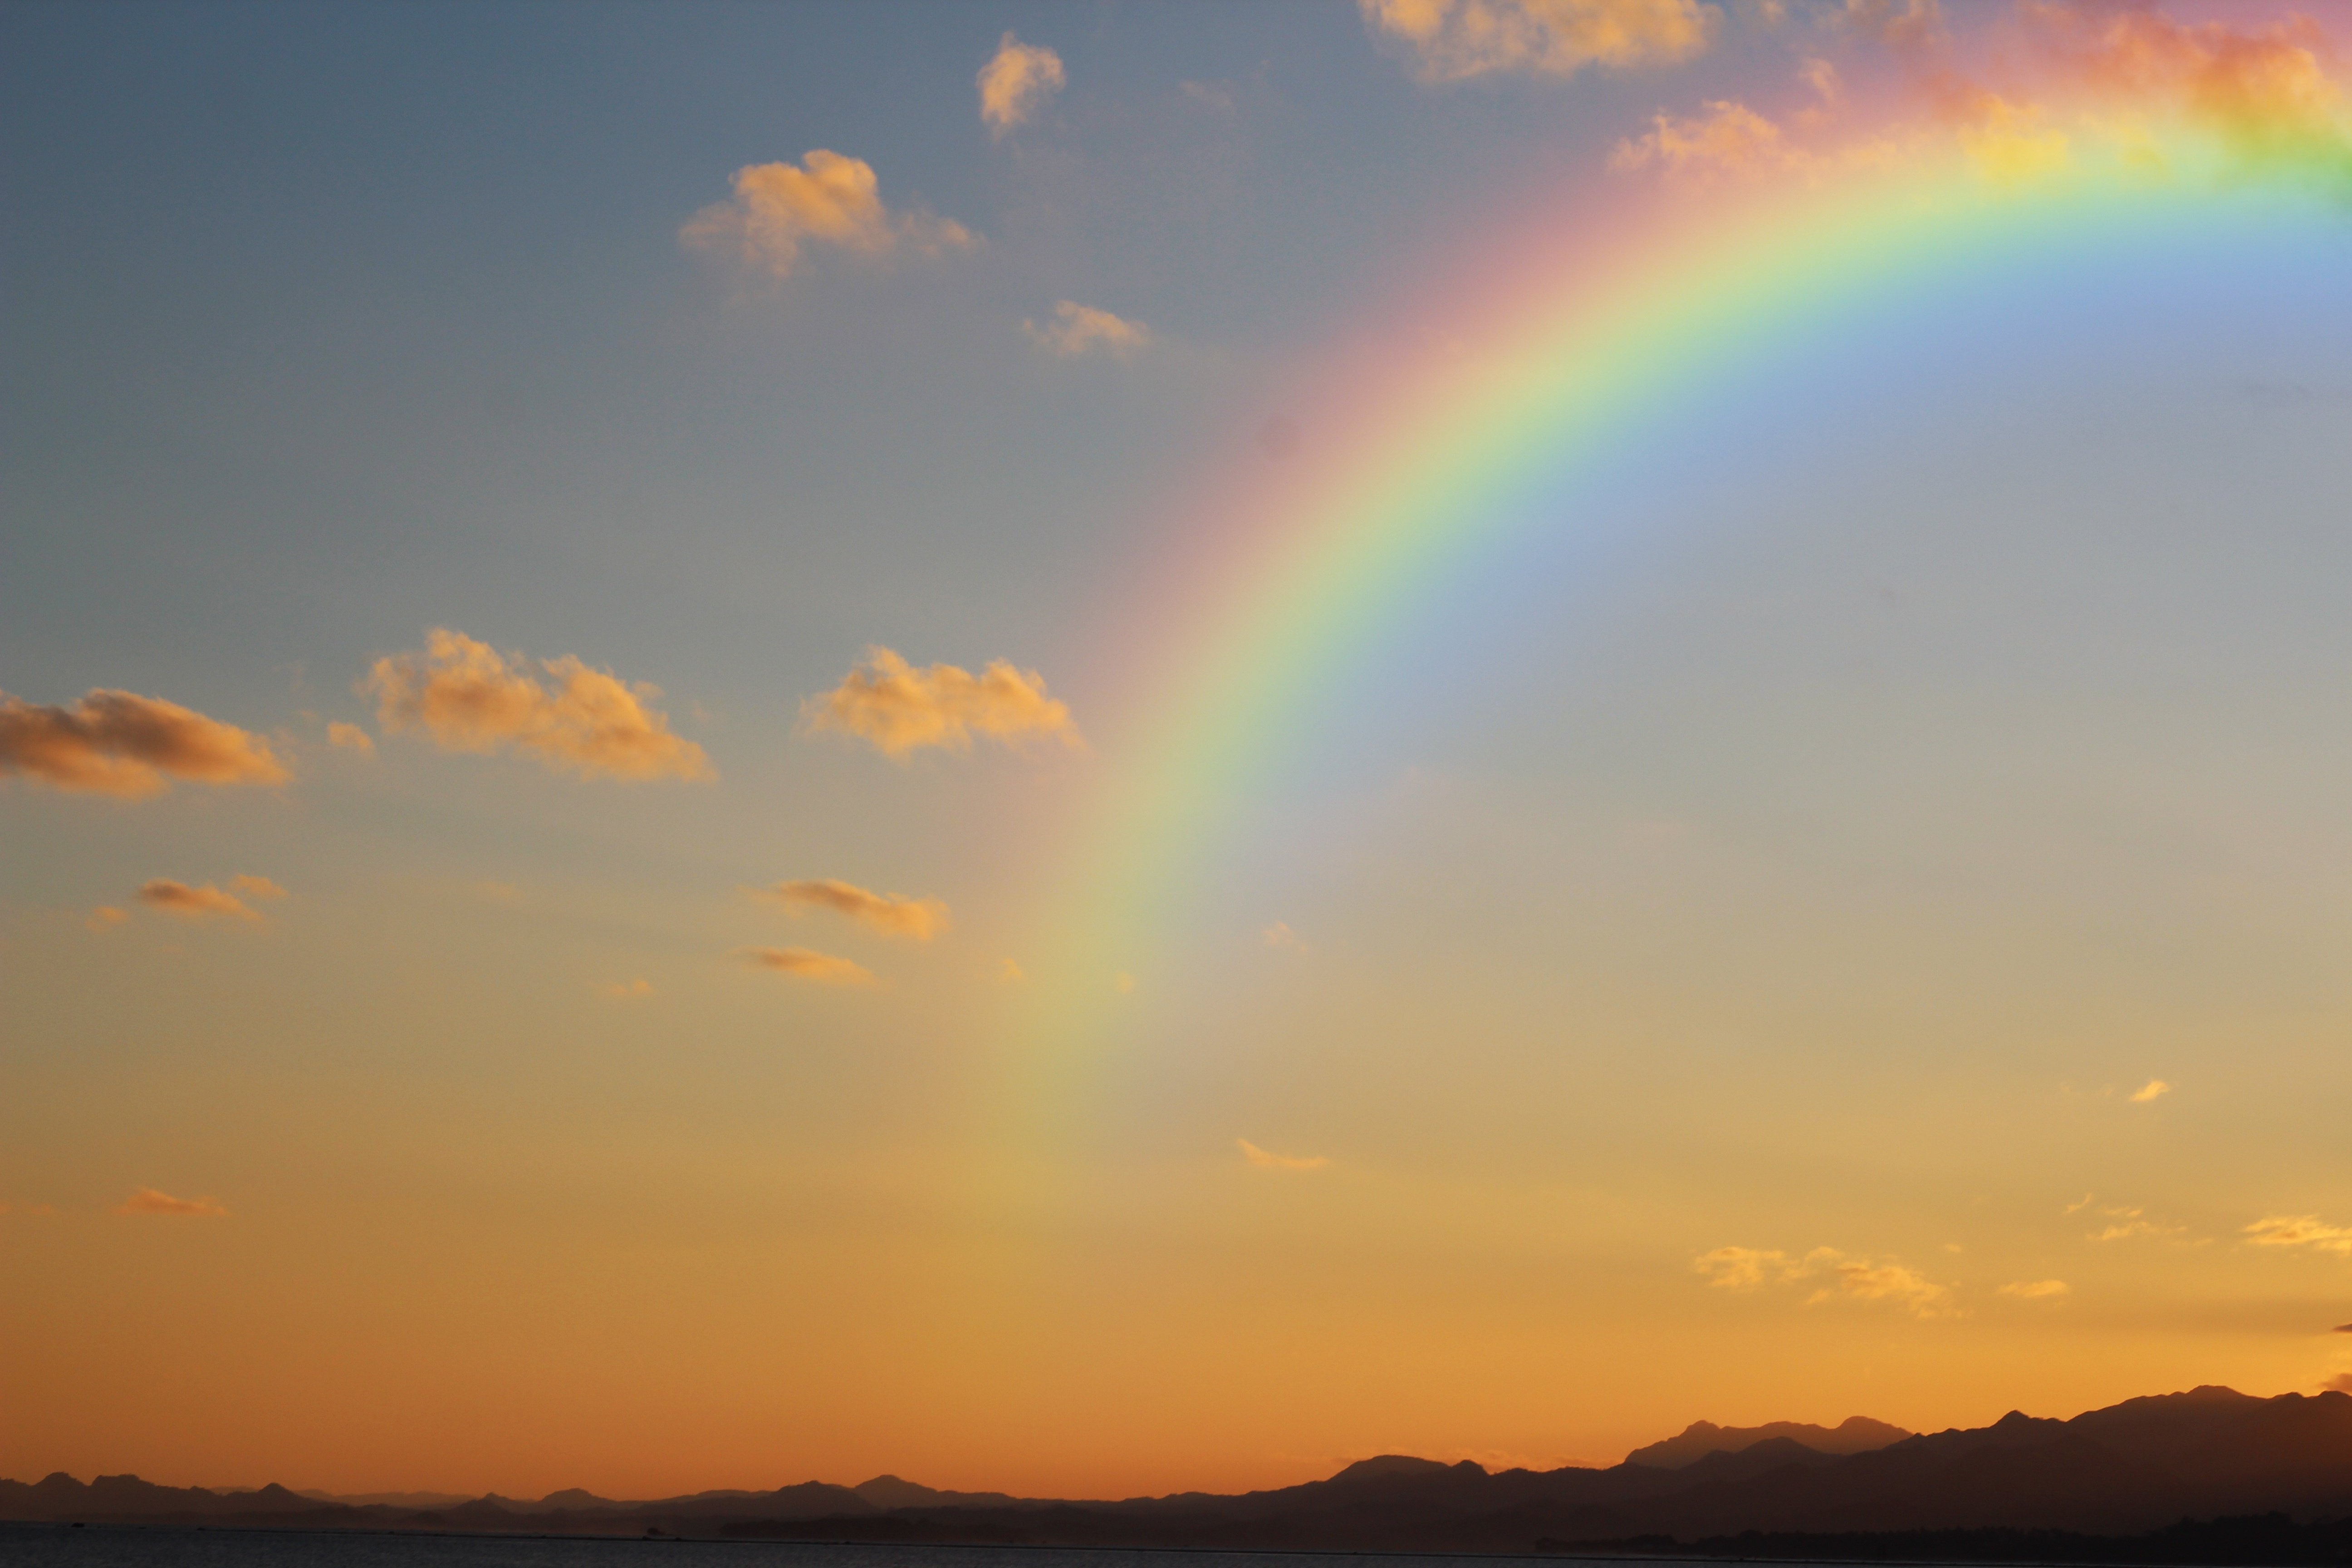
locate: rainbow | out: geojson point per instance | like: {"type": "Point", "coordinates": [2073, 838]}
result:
{"type": "Point", "coordinates": [1282, 576]}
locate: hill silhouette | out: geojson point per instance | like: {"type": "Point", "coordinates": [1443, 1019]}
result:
{"type": "Point", "coordinates": [2275, 1476]}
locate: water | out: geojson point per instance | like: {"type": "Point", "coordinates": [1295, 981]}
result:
{"type": "Point", "coordinates": [37, 1546]}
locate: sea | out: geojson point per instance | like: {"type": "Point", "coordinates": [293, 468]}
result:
{"type": "Point", "coordinates": [37, 1546]}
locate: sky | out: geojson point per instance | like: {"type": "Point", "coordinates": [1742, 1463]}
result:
{"type": "Point", "coordinates": [1102, 749]}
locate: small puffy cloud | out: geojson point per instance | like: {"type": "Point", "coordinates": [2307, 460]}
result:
{"type": "Point", "coordinates": [2157, 1088]}
{"type": "Point", "coordinates": [778, 209]}
{"type": "Point", "coordinates": [1265, 1161]}
{"type": "Point", "coordinates": [2035, 1289]}
{"type": "Point", "coordinates": [1730, 138]}
{"type": "Point", "coordinates": [351, 738]}
{"type": "Point", "coordinates": [1015, 83]}
{"type": "Point", "coordinates": [627, 990]}
{"type": "Point", "coordinates": [1738, 1268]}
{"type": "Point", "coordinates": [804, 963]}
{"type": "Point", "coordinates": [892, 914]}
{"type": "Point", "coordinates": [467, 697]}
{"type": "Point", "coordinates": [106, 917]}
{"type": "Point", "coordinates": [901, 709]}
{"type": "Point", "coordinates": [1280, 935]}
{"type": "Point", "coordinates": [1079, 329]}
{"type": "Point", "coordinates": [1455, 39]}
{"type": "Point", "coordinates": [128, 746]}
{"type": "Point", "coordinates": [1008, 973]}
{"type": "Point", "coordinates": [257, 887]}
{"type": "Point", "coordinates": [194, 903]}
{"type": "Point", "coordinates": [2300, 1230]}
{"type": "Point", "coordinates": [147, 1200]}
{"type": "Point", "coordinates": [1746, 1268]}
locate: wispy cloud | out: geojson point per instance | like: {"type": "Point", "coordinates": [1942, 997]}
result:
{"type": "Point", "coordinates": [2300, 1230]}
{"type": "Point", "coordinates": [106, 917]}
{"type": "Point", "coordinates": [465, 696]}
{"type": "Point", "coordinates": [778, 210]}
{"type": "Point", "coordinates": [2155, 1088]}
{"type": "Point", "coordinates": [2035, 1289]}
{"type": "Point", "coordinates": [2126, 1221]}
{"type": "Point", "coordinates": [257, 887]}
{"type": "Point", "coordinates": [1015, 83]}
{"type": "Point", "coordinates": [1267, 1160]}
{"type": "Point", "coordinates": [1857, 1278]}
{"type": "Point", "coordinates": [128, 746]}
{"type": "Point", "coordinates": [351, 738]}
{"type": "Point", "coordinates": [1453, 39]}
{"type": "Point", "coordinates": [1079, 330]}
{"type": "Point", "coordinates": [892, 914]}
{"type": "Point", "coordinates": [147, 1200]}
{"type": "Point", "coordinates": [805, 964]}
{"type": "Point", "coordinates": [901, 709]}
{"type": "Point", "coordinates": [197, 903]}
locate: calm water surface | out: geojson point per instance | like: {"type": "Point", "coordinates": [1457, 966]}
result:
{"type": "Point", "coordinates": [100, 1548]}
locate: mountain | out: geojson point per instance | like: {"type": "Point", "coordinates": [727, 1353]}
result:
{"type": "Point", "coordinates": [1854, 1435]}
{"type": "Point", "coordinates": [2124, 1480]}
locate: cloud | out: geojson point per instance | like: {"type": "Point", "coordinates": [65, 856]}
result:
{"type": "Point", "coordinates": [1279, 934]}
{"type": "Point", "coordinates": [2340, 1383]}
{"type": "Point", "coordinates": [1079, 329]}
{"type": "Point", "coordinates": [892, 914]}
{"type": "Point", "coordinates": [128, 746]}
{"type": "Point", "coordinates": [2300, 1230]}
{"type": "Point", "coordinates": [1456, 39]}
{"type": "Point", "coordinates": [2035, 1289]}
{"type": "Point", "coordinates": [147, 1200]}
{"type": "Point", "coordinates": [803, 964]}
{"type": "Point", "coordinates": [1731, 137]}
{"type": "Point", "coordinates": [2342, 1329]}
{"type": "Point", "coordinates": [257, 887]}
{"type": "Point", "coordinates": [627, 991]}
{"type": "Point", "coordinates": [498, 893]}
{"type": "Point", "coordinates": [2128, 1222]}
{"type": "Point", "coordinates": [1123, 983]}
{"type": "Point", "coordinates": [901, 709]}
{"type": "Point", "coordinates": [1906, 24]}
{"type": "Point", "coordinates": [2156, 1089]}
{"type": "Point", "coordinates": [1015, 83]}
{"type": "Point", "coordinates": [1264, 1161]}
{"type": "Point", "coordinates": [467, 697]}
{"type": "Point", "coordinates": [1747, 1269]}
{"type": "Point", "coordinates": [194, 903]}
{"type": "Point", "coordinates": [106, 917]}
{"type": "Point", "coordinates": [2259, 88]}
{"type": "Point", "coordinates": [351, 738]}
{"type": "Point", "coordinates": [777, 209]}
{"type": "Point", "coordinates": [1008, 973]}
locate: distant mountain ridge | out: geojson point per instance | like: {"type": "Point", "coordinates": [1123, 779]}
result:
{"type": "Point", "coordinates": [2133, 1467]}
{"type": "Point", "coordinates": [1854, 1435]}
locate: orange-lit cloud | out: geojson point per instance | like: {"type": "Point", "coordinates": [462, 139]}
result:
{"type": "Point", "coordinates": [1730, 137]}
{"type": "Point", "coordinates": [1898, 24]}
{"type": "Point", "coordinates": [106, 917]}
{"type": "Point", "coordinates": [128, 746]}
{"type": "Point", "coordinates": [1079, 329]}
{"type": "Point", "coordinates": [805, 964]}
{"type": "Point", "coordinates": [1455, 39]}
{"type": "Point", "coordinates": [2156, 1089]}
{"type": "Point", "coordinates": [627, 990]}
{"type": "Point", "coordinates": [257, 887]}
{"type": "Point", "coordinates": [1015, 83]}
{"type": "Point", "coordinates": [2127, 1222]}
{"type": "Point", "coordinates": [2258, 86]}
{"type": "Point", "coordinates": [892, 914]}
{"type": "Point", "coordinates": [147, 1200]}
{"type": "Point", "coordinates": [778, 209]}
{"type": "Point", "coordinates": [2300, 1230]}
{"type": "Point", "coordinates": [1857, 1278]}
{"type": "Point", "coordinates": [468, 697]}
{"type": "Point", "coordinates": [901, 709]}
{"type": "Point", "coordinates": [1279, 934]}
{"type": "Point", "coordinates": [2340, 1383]}
{"type": "Point", "coordinates": [1008, 973]}
{"type": "Point", "coordinates": [194, 903]}
{"type": "Point", "coordinates": [351, 738]}
{"type": "Point", "coordinates": [2036, 1290]}
{"type": "Point", "coordinates": [1265, 1161]}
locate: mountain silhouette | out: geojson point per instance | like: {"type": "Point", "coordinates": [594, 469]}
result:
{"type": "Point", "coordinates": [2263, 1470]}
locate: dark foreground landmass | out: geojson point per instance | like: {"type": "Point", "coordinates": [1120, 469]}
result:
{"type": "Point", "coordinates": [2211, 1475]}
